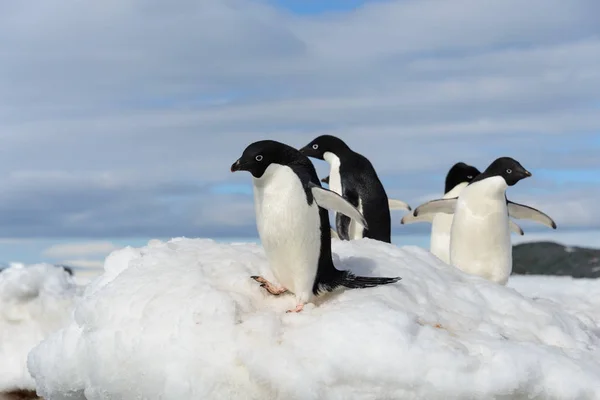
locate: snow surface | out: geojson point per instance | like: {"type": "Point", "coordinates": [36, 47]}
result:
{"type": "Point", "coordinates": [35, 301]}
{"type": "Point", "coordinates": [183, 320]}
{"type": "Point", "coordinates": [577, 296]}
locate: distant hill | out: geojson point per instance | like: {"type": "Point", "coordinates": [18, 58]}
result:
{"type": "Point", "coordinates": [549, 258]}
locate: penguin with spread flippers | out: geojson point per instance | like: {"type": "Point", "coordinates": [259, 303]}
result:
{"type": "Point", "coordinates": [458, 177]}
{"type": "Point", "coordinates": [480, 237]}
{"type": "Point", "coordinates": [293, 223]}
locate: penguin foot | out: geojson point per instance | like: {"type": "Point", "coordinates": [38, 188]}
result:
{"type": "Point", "coordinates": [274, 290]}
{"type": "Point", "coordinates": [298, 308]}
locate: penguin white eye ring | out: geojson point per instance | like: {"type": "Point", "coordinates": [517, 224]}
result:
{"type": "Point", "coordinates": [469, 176]}
{"type": "Point", "coordinates": [509, 171]}
{"type": "Point", "coordinates": [258, 158]}
{"type": "Point", "coordinates": [315, 146]}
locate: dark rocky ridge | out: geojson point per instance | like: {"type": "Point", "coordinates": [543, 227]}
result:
{"type": "Point", "coordinates": [549, 258]}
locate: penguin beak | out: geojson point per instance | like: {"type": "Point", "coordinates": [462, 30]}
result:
{"type": "Point", "coordinates": [303, 151]}
{"type": "Point", "coordinates": [525, 173]}
{"type": "Point", "coordinates": [308, 151]}
{"type": "Point", "coordinates": [236, 166]}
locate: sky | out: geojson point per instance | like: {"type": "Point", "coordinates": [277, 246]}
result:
{"type": "Point", "coordinates": [119, 119]}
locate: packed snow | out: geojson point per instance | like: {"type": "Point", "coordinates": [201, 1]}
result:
{"type": "Point", "coordinates": [35, 301]}
{"type": "Point", "coordinates": [183, 320]}
{"type": "Point", "coordinates": [579, 296]}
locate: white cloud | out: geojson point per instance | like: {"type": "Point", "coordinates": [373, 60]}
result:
{"type": "Point", "coordinates": [390, 27]}
{"type": "Point", "coordinates": [80, 249]}
{"type": "Point", "coordinates": [83, 263]}
{"type": "Point", "coordinates": [367, 72]}
{"type": "Point", "coordinates": [112, 102]}
{"type": "Point", "coordinates": [227, 211]}
{"type": "Point", "coordinates": [569, 207]}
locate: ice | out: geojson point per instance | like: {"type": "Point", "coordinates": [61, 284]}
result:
{"type": "Point", "coordinates": [183, 320]}
{"type": "Point", "coordinates": [35, 301]}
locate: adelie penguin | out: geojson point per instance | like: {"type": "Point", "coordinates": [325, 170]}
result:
{"type": "Point", "coordinates": [293, 223]}
{"type": "Point", "coordinates": [479, 237]}
{"type": "Point", "coordinates": [457, 179]}
{"type": "Point", "coordinates": [353, 177]}
{"type": "Point", "coordinates": [393, 204]}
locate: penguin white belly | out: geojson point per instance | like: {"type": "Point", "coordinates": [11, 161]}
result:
{"type": "Point", "coordinates": [440, 228]}
{"type": "Point", "coordinates": [289, 229]}
{"type": "Point", "coordinates": [335, 179]}
{"type": "Point", "coordinates": [440, 236]}
{"type": "Point", "coordinates": [480, 237]}
{"type": "Point", "coordinates": [355, 230]}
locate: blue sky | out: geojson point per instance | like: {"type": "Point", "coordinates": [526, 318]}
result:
{"type": "Point", "coordinates": [119, 120]}
{"type": "Point", "coordinates": [316, 7]}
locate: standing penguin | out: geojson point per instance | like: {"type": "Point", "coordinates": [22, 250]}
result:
{"type": "Point", "coordinates": [392, 203]}
{"type": "Point", "coordinates": [353, 177]}
{"type": "Point", "coordinates": [457, 179]}
{"type": "Point", "coordinates": [293, 222]}
{"type": "Point", "coordinates": [479, 237]}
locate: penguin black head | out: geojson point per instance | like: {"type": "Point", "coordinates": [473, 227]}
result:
{"type": "Point", "coordinates": [508, 168]}
{"type": "Point", "coordinates": [459, 173]}
{"type": "Point", "coordinates": [257, 157]}
{"type": "Point", "coordinates": [324, 144]}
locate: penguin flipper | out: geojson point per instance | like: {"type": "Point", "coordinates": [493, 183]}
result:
{"type": "Point", "coordinates": [515, 228]}
{"type": "Point", "coordinates": [334, 234]}
{"type": "Point", "coordinates": [445, 206]}
{"type": "Point", "coordinates": [411, 219]}
{"type": "Point", "coordinates": [334, 202]}
{"type": "Point", "coordinates": [398, 205]}
{"type": "Point", "coordinates": [520, 211]}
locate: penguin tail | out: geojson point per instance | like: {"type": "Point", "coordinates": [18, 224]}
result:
{"type": "Point", "coordinates": [351, 281]}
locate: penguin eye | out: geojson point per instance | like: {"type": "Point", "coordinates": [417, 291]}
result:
{"type": "Point", "coordinates": [469, 176]}
{"type": "Point", "coordinates": [509, 171]}
{"type": "Point", "coordinates": [315, 146]}
{"type": "Point", "coordinates": [258, 158]}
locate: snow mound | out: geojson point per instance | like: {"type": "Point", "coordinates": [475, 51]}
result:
{"type": "Point", "coordinates": [183, 320]}
{"type": "Point", "coordinates": [35, 301]}
{"type": "Point", "coordinates": [579, 296]}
